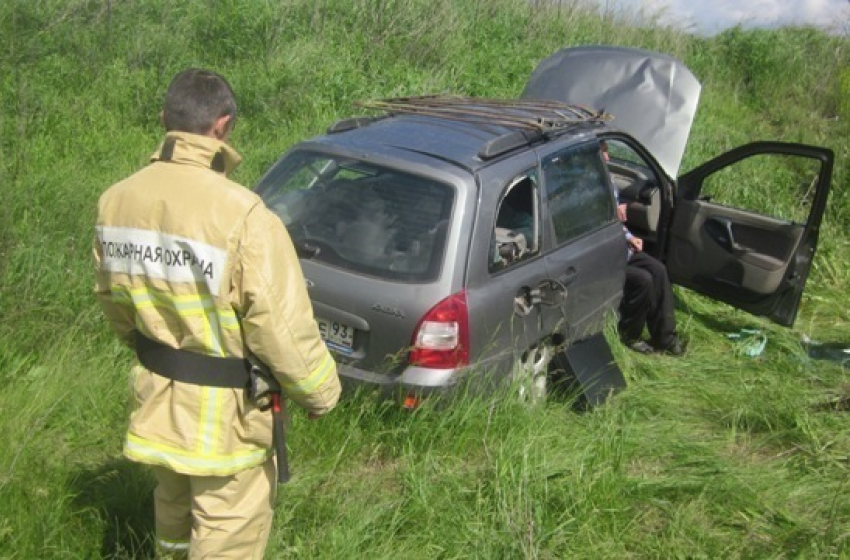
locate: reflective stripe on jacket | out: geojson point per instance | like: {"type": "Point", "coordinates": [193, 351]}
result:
{"type": "Point", "coordinates": [197, 262]}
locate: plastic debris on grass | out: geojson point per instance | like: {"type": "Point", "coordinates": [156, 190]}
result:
{"type": "Point", "coordinates": [838, 352]}
{"type": "Point", "coordinates": [749, 342]}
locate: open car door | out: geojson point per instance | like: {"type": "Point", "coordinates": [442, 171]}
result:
{"type": "Point", "coordinates": [745, 226]}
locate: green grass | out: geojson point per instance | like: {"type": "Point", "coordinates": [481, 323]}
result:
{"type": "Point", "coordinates": [714, 455]}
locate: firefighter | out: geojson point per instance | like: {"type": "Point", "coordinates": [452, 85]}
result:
{"type": "Point", "coordinates": [197, 275]}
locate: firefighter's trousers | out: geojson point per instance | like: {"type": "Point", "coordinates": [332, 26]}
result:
{"type": "Point", "coordinates": [214, 516]}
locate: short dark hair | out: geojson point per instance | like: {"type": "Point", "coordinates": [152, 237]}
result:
{"type": "Point", "coordinates": [195, 99]}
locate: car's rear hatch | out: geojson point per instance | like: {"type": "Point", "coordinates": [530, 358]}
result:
{"type": "Point", "coordinates": [372, 242]}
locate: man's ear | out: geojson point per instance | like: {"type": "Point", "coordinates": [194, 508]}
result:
{"type": "Point", "coordinates": [222, 127]}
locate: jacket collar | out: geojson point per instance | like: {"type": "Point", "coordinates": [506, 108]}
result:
{"type": "Point", "coordinates": [196, 149]}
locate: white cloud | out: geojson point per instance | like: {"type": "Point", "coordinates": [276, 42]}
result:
{"type": "Point", "coordinates": [710, 17]}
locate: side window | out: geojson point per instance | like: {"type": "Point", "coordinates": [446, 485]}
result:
{"type": "Point", "coordinates": [630, 173]}
{"type": "Point", "coordinates": [637, 187]}
{"type": "Point", "coordinates": [777, 185]}
{"type": "Point", "coordinates": [516, 234]}
{"type": "Point", "coordinates": [578, 192]}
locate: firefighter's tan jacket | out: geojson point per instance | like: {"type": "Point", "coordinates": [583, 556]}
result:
{"type": "Point", "coordinates": [197, 262]}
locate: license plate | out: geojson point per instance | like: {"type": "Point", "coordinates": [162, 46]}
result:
{"type": "Point", "coordinates": [338, 336]}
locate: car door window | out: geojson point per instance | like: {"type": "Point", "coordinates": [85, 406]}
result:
{"type": "Point", "coordinates": [516, 234]}
{"type": "Point", "coordinates": [637, 186]}
{"type": "Point", "coordinates": [578, 192]}
{"type": "Point", "coordinates": [777, 185]}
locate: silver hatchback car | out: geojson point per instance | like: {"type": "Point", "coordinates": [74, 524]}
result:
{"type": "Point", "coordinates": [455, 239]}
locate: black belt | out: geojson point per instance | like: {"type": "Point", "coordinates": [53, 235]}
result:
{"type": "Point", "coordinates": [190, 367]}
{"type": "Point", "coordinates": [212, 371]}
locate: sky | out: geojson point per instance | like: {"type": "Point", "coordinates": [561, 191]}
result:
{"type": "Point", "coordinates": [707, 17]}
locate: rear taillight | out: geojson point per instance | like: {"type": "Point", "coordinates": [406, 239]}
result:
{"type": "Point", "coordinates": [441, 339]}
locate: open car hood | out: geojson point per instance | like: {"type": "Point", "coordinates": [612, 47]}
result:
{"type": "Point", "coordinates": [651, 96]}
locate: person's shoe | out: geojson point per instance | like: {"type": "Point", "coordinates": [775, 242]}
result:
{"type": "Point", "coordinates": [641, 347]}
{"type": "Point", "coordinates": [674, 348]}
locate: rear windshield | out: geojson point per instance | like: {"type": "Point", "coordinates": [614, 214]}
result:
{"type": "Point", "coordinates": [360, 217]}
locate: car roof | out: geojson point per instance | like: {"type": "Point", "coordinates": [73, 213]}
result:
{"type": "Point", "coordinates": [461, 131]}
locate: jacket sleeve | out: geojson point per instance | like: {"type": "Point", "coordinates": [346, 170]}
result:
{"type": "Point", "coordinates": [277, 316]}
{"type": "Point", "coordinates": [119, 312]}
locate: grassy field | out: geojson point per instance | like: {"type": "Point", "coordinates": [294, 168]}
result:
{"type": "Point", "coordinates": [714, 455]}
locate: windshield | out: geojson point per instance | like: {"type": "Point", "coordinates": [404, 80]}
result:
{"type": "Point", "coordinates": [359, 216]}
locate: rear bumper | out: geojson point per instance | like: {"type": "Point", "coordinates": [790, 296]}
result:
{"type": "Point", "coordinates": [418, 380]}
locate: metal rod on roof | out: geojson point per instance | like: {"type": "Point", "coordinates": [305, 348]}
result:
{"type": "Point", "coordinates": [490, 111]}
{"type": "Point", "coordinates": [467, 116]}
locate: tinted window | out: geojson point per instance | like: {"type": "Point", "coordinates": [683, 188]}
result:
{"type": "Point", "coordinates": [359, 216]}
{"type": "Point", "coordinates": [580, 198]}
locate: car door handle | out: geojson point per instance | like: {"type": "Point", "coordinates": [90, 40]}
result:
{"type": "Point", "coordinates": [720, 230]}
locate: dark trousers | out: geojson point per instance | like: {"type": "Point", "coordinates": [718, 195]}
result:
{"type": "Point", "coordinates": [647, 301]}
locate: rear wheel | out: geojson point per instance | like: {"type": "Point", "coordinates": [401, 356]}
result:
{"type": "Point", "coordinates": [531, 373]}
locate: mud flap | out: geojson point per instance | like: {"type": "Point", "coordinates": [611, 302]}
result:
{"type": "Point", "coordinates": [588, 368]}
